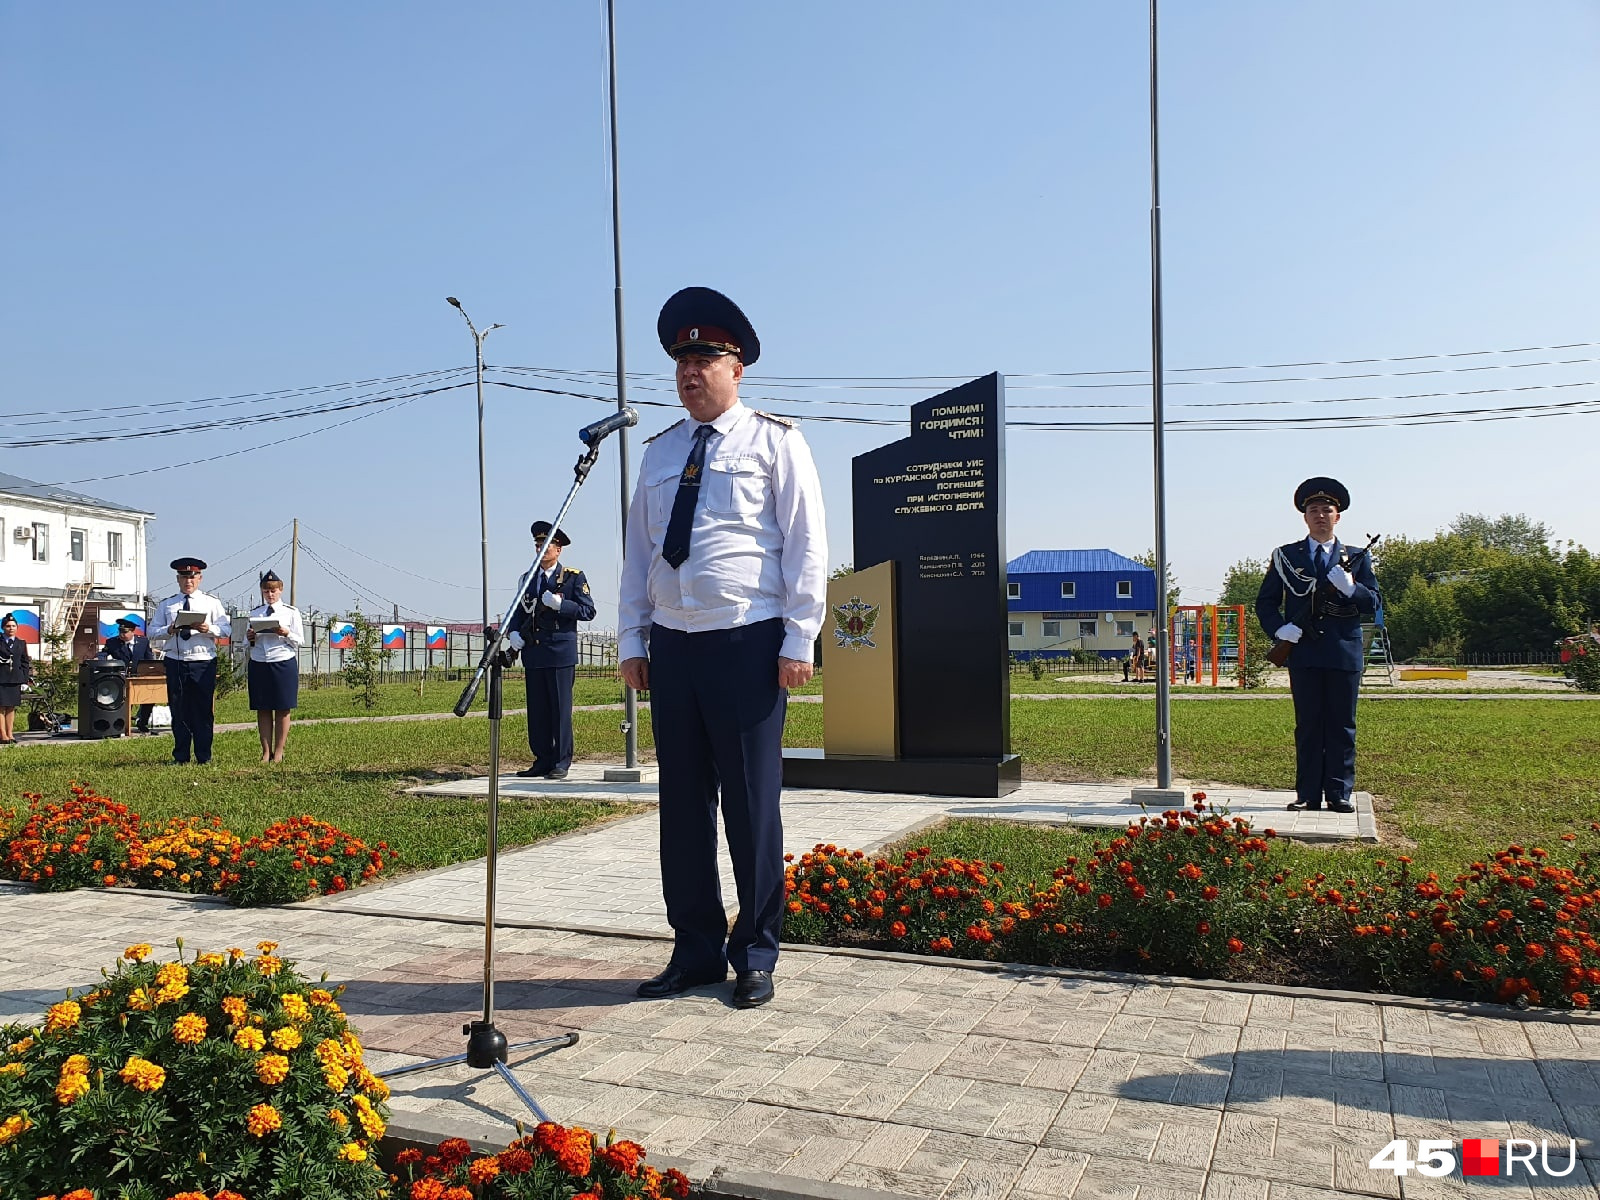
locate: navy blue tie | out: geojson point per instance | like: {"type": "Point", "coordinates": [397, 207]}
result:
{"type": "Point", "coordinates": [186, 633]}
{"type": "Point", "coordinates": [1322, 561]}
{"type": "Point", "coordinates": [676, 546]}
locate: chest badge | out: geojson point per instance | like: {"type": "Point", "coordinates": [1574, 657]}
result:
{"type": "Point", "coordinates": [853, 622]}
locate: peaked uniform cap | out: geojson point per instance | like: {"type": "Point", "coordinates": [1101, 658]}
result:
{"type": "Point", "coordinates": [701, 320]}
{"type": "Point", "coordinates": [1321, 487]}
{"type": "Point", "coordinates": [269, 576]}
{"type": "Point", "coordinates": [188, 566]}
{"type": "Point", "coordinates": [542, 529]}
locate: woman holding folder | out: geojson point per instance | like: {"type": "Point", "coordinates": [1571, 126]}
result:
{"type": "Point", "coordinates": [276, 635]}
{"type": "Point", "coordinates": [15, 670]}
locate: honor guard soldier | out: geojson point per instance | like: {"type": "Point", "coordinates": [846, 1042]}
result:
{"type": "Point", "coordinates": [189, 624]}
{"type": "Point", "coordinates": [723, 591]}
{"type": "Point", "coordinates": [1313, 597]}
{"type": "Point", "coordinates": [544, 630]}
{"type": "Point", "coordinates": [133, 648]}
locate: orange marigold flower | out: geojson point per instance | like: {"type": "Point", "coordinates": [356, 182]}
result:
{"type": "Point", "coordinates": [287, 1038]}
{"type": "Point", "coordinates": [262, 1120]}
{"type": "Point", "coordinates": [189, 1029]}
{"type": "Point", "coordinates": [268, 965]}
{"type": "Point", "coordinates": [427, 1189]}
{"type": "Point", "coordinates": [71, 1086]}
{"type": "Point", "coordinates": [462, 1192]}
{"type": "Point", "coordinates": [14, 1127]}
{"type": "Point", "coordinates": [138, 953]}
{"type": "Point", "coordinates": [142, 1075]}
{"type": "Point", "coordinates": [1235, 946]}
{"type": "Point", "coordinates": [1579, 999]}
{"type": "Point", "coordinates": [272, 1069]}
{"type": "Point", "coordinates": [515, 1160]}
{"type": "Point", "coordinates": [1534, 951]}
{"type": "Point", "coordinates": [249, 1038]}
{"type": "Point", "coordinates": [62, 1016]}
{"type": "Point", "coordinates": [480, 1171]}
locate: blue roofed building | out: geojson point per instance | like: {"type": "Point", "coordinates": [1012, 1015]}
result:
{"type": "Point", "coordinates": [1060, 601]}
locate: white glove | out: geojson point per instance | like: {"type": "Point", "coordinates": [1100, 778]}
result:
{"type": "Point", "coordinates": [1288, 633]}
{"type": "Point", "coordinates": [515, 639]}
{"type": "Point", "coordinates": [551, 600]}
{"type": "Point", "coordinates": [1340, 578]}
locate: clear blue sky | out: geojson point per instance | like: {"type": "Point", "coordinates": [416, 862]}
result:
{"type": "Point", "coordinates": [207, 200]}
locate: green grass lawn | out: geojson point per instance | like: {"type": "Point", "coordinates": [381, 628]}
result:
{"type": "Point", "coordinates": [334, 699]}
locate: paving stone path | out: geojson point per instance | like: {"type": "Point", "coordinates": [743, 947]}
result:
{"type": "Point", "coordinates": [910, 1077]}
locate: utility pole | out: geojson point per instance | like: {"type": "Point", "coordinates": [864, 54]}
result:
{"type": "Point", "coordinates": [294, 561]}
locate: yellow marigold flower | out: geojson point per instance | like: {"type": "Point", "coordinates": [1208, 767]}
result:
{"type": "Point", "coordinates": [334, 1115]}
{"type": "Point", "coordinates": [142, 1075]}
{"type": "Point", "coordinates": [329, 1051]}
{"type": "Point", "coordinates": [372, 1085]}
{"type": "Point", "coordinates": [138, 953]}
{"type": "Point", "coordinates": [235, 953]}
{"type": "Point", "coordinates": [295, 1005]}
{"type": "Point", "coordinates": [249, 1039]}
{"type": "Point", "coordinates": [336, 1077]}
{"type": "Point", "coordinates": [262, 1120]}
{"type": "Point", "coordinates": [272, 1069]}
{"type": "Point", "coordinates": [210, 959]}
{"type": "Point", "coordinates": [14, 1127]}
{"type": "Point", "coordinates": [286, 1038]}
{"type": "Point", "coordinates": [141, 1000]}
{"type": "Point", "coordinates": [62, 1016]}
{"type": "Point", "coordinates": [15, 1068]}
{"type": "Point", "coordinates": [235, 1008]}
{"type": "Point", "coordinates": [189, 1029]}
{"type": "Point", "coordinates": [266, 947]}
{"type": "Point", "coordinates": [268, 965]}
{"type": "Point", "coordinates": [71, 1086]}
{"type": "Point", "coordinates": [352, 1152]}
{"type": "Point", "coordinates": [172, 973]}
{"type": "Point", "coordinates": [78, 1064]}
{"type": "Point", "coordinates": [21, 1047]}
{"type": "Point", "coordinates": [171, 993]}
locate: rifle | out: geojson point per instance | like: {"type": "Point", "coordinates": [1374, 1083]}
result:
{"type": "Point", "coordinates": [1278, 656]}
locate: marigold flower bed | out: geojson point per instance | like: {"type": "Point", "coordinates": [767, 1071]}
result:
{"type": "Point", "coordinates": [1197, 892]}
{"type": "Point", "coordinates": [555, 1162]}
{"type": "Point", "coordinates": [89, 840]}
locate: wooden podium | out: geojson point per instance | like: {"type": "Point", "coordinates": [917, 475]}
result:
{"type": "Point", "coordinates": [147, 685]}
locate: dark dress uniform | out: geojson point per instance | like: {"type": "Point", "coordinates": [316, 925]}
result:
{"type": "Point", "coordinates": [550, 660]}
{"type": "Point", "coordinates": [16, 669]}
{"type": "Point", "coordinates": [1325, 666]}
{"type": "Point", "coordinates": [133, 653]}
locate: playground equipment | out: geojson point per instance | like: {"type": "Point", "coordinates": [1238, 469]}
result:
{"type": "Point", "coordinates": [1206, 634]}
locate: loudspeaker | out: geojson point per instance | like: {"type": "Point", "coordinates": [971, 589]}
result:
{"type": "Point", "coordinates": [102, 698]}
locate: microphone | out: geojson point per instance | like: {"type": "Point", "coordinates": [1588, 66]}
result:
{"type": "Point", "coordinates": [596, 432]}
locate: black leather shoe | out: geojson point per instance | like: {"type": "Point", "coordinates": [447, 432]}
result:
{"type": "Point", "coordinates": [558, 773]}
{"type": "Point", "coordinates": [676, 979]}
{"type": "Point", "coordinates": [752, 989]}
{"type": "Point", "coordinates": [1341, 806]}
{"type": "Point", "coordinates": [1305, 806]}
{"type": "Point", "coordinates": [533, 772]}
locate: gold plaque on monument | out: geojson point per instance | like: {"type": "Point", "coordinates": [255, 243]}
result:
{"type": "Point", "coordinates": [859, 713]}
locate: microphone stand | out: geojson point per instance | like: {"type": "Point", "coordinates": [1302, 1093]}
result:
{"type": "Point", "coordinates": [487, 1047]}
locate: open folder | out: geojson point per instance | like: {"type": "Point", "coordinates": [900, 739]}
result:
{"type": "Point", "coordinates": [187, 620]}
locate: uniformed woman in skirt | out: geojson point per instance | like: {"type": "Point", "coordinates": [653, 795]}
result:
{"type": "Point", "coordinates": [274, 671]}
{"type": "Point", "coordinates": [15, 670]}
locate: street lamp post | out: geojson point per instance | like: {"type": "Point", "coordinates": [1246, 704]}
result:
{"type": "Point", "coordinates": [483, 492]}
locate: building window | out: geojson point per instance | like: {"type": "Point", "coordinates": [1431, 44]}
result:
{"type": "Point", "coordinates": [114, 549]}
{"type": "Point", "coordinates": [1124, 589]}
{"type": "Point", "coordinates": [1087, 629]}
{"type": "Point", "coordinates": [75, 551]}
{"type": "Point", "coordinates": [41, 542]}
{"type": "Point", "coordinates": [1052, 629]}
{"type": "Point", "coordinates": [1069, 591]}
{"type": "Point", "coordinates": [1014, 628]}
{"type": "Point", "coordinates": [1013, 591]}
{"type": "Point", "coordinates": [2, 540]}
{"type": "Point", "coordinates": [1124, 628]}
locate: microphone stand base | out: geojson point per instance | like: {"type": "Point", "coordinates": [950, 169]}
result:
{"type": "Point", "coordinates": [487, 1048]}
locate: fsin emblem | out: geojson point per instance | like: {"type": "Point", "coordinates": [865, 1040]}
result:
{"type": "Point", "coordinates": [853, 622]}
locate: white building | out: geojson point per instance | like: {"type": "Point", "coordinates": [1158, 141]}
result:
{"type": "Point", "coordinates": [69, 555]}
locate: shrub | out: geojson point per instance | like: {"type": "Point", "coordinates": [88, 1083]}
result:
{"type": "Point", "coordinates": [300, 857]}
{"type": "Point", "coordinates": [554, 1163]}
{"type": "Point", "coordinates": [1580, 661]}
{"type": "Point", "coordinates": [226, 1075]}
{"type": "Point", "coordinates": [84, 841]}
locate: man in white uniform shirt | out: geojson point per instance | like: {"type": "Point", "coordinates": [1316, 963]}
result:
{"type": "Point", "coordinates": [723, 591]}
{"type": "Point", "coordinates": [191, 660]}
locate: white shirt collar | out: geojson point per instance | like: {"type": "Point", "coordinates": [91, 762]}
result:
{"type": "Point", "coordinates": [1312, 544]}
{"type": "Point", "coordinates": [725, 422]}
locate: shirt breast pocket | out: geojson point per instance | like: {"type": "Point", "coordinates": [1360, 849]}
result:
{"type": "Point", "coordinates": [735, 487]}
{"type": "Point", "coordinates": [661, 488]}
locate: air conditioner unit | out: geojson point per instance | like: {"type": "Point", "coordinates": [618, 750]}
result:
{"type": "Point", "coordinates": [22, 533]}
{"type": "Point", "coordinates": [1111, 616]}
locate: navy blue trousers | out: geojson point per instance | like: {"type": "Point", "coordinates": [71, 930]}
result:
{"type": "Point", "coordinates": [1324, 732]}
{"type": "Point", "coordinates": [717, 713]}
{"type": "Point", "coordinates": [550, 716]}
{"type": "Point", "coordinates": [191, 691]}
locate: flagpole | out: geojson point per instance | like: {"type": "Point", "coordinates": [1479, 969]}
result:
{"type": "Point", "coordinates": [1158, 422]}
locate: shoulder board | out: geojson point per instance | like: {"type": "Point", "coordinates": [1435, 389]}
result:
{"type": "Point", "coordinates": [566, 571]}
{"type": "Point", "coordinates": [668, 429]}
{"type": "Point", "coordinates": [784, 421]}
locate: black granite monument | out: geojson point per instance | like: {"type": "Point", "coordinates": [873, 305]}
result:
{"type": "Point", "coordinates": [934, 505]}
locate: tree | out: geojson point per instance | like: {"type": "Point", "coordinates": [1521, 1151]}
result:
{"type": "Point", "coordinates": [1423, 617]}
{"type": "Point", "coordinates": [1519, 605]}
{"type": "Point", "coordinates": [1513, 534]}
{"type": "Point", "coordinates": [361, 662]}
{"type": "Point", "coordinates": [1148, 558]}
{"type": "Point", "coordinates": [55, 678]}
{"type": "Point", "coordinates": [1240, 586]}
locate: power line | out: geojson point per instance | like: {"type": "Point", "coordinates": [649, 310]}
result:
{"type": "Point", "coordinates": [366, 593]}
{"type": "Point", "coordinates": [425, 578]}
